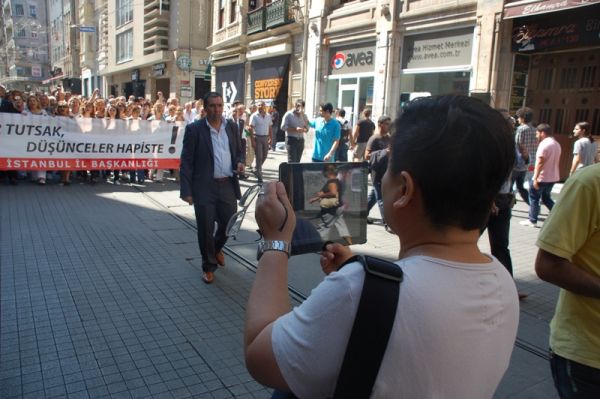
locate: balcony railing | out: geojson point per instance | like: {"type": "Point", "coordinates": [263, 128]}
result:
{"type": "Point", "coordinates": [279, 13]}
{"type": "Point", "coordinates": [256, 20]}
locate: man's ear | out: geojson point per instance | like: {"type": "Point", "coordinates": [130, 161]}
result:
{"type": "Point", "coordinates": [406, 190]}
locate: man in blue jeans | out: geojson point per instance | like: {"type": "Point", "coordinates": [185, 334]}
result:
{"type": "Point", "coordinates": [545, 174]}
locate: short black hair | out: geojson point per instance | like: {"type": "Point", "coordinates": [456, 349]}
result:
{"type": "Point", "coordinates": [459, 159]}
{"type": "Point", "coordinates": [301, 102]}
{"type": "Point", "coordinates": [545, 128]}
{"type": "Point", "coordinates": [327, 107]}
{"type": "Point", "coordinates": [342, 112]}
{"type": "Point", "coordinates": [211, 94]}
{"type": "Point", "coordinates": [525, 113]}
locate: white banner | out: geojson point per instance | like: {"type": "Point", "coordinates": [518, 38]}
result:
{"type": "Point", "coordinates": [31, 142]}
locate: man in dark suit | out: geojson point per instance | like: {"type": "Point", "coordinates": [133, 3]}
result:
{"type": "Point", "coordinates": [237, 117]}
{"type": "Point", "coordinates": [211, 158]}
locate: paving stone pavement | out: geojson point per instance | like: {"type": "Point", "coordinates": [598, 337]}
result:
{"type": "Point", "coordinates": [101, 297]}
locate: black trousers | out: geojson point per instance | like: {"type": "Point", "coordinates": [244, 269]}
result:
{"type": "Point", "coordinates": [221, 206]}
{"type": "Point", "coordinates": [295, 148]}
{"type": "Point", "coordinates": [498, 231]}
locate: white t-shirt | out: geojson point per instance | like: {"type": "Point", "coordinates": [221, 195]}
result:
{"type": "Point", "coordinates": [453, 334]}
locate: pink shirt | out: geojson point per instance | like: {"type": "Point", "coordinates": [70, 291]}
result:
{"type": "Point", "coordinates": [549, 150]}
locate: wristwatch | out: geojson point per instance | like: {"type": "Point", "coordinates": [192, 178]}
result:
{"type": "Point", "coordinates": [272, 245]}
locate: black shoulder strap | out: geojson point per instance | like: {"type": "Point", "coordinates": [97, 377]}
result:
{"type": "Point", "coordinates": [371, 330]}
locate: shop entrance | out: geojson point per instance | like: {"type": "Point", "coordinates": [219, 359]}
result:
{"type": "Point", "coordinates": [563, 90]}
{"type": "Point", "coordinates": [201, 87]}
{"type": "Point", "coordinates": [351, 94]}
{"type": "Point", "coordinates": [348, 101]}
{"type": "Point", "coordinates": [163, 85]}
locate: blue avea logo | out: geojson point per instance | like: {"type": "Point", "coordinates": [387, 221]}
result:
{"type": "Point", "coordinates": [338, 61]}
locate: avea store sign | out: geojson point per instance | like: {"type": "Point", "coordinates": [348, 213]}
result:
{"type": "Point", "coordinates": [348, 59]}
{"type": "Point", "coordinates": [351, 60]}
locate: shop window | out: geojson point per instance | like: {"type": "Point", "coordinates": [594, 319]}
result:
{"type": "Point", "coordinates": [582, 114]}
{"type": "Point", "coordinates": [595, 121]}
{"type": "Point", "coordinates": [568, 78]}
{"type": "Point", "coordinates": [559, 121]}
{"type": "Point", "coordinates": [588, 77]}
{"type": "Point", "coordinates": [545, 115]}
{"type": "Point", "coordinates": [546, 78]}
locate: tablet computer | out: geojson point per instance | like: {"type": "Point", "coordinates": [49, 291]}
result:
{"type": "Point", "coordinates": [330, 202]}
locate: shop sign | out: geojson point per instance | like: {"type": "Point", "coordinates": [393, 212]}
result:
{"type": "Point", "coordinates": [517, 9]}
{"type": "Point", "coordinates": [567, 29]}
{"type": "Point", "coordinates": [438, 49]}
{"type": "Point", "coordinates": [230, 82]}
{"type": "Point", "coordinates": [518, 91]}
{"type": "Point", "coordinates": [185, 91]}
{"type": "Point", "coordinates": [351, 59]}
{"type": "Point", "coordinates": [36, 71]}
{"type": "Point", "coordinates": [159, 69]}
{"type": "Point", "coordinates": [269, 76]}
{"type": "Point", "coordinates": [184, 62]}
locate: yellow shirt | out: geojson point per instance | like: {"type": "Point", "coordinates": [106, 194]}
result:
{"type": "Point", "coordinates": [572, 231]}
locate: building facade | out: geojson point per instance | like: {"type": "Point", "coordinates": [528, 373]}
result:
{"type": "Point", "coordinates": [157, 45]}
{"type": "Point", "coordinates": [24, 61]}
{"type": "Point", "coordinates": [259, 51]}
{"type": "Point", "coordinates": [93, 44]}
{"type": "Point", "coordinates": [381, 54]}
{"type": "Point", "coordinates": [64, 44]}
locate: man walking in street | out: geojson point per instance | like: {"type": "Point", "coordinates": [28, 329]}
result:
{"type": "Point", "coordinates": [211, 154]}
{"type": "Point", "coordinates": [377, 147]}
{"type": "Point", "coordinates": [344, 144]}
{"type": "Point", "coordinates": [237, 116]}
{"type": "Point", "coordinates": [569, 257]}
{"type": "Point", "coordinates": [545, 174]}
{"type": "Point", "coordinates": [526, 143]}
{"type": "Point", "coordinates": [363, 131]}
{"type": "Point", "coordinates": [295, 125]}
{"type": "Point", "coordinates": [275, 122]}
{"type": "Point", "coordinates": [327, 134]}
{"type": "Point", "coordinates": [262, 135]}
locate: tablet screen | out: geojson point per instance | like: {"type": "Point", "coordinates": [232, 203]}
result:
{"type": "Point", "coordinates": [330, 201]}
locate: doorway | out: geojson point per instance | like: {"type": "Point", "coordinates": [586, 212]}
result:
{"type": "Point", "coordinates": [348, 101]}
{"type": "Point", "coordinates": [164, 86]}
{"type": "Point", "coordinates": [201, 87]}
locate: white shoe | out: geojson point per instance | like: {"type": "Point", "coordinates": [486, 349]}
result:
{"type": "Point", "coordinates": [528, 223]}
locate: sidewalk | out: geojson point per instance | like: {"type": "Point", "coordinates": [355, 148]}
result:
{"type": "Point", "coordinates": [101, 297]}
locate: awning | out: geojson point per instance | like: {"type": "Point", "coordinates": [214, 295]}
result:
{"type": "Point", "coordinates": [45, 82]}
{"type": "Point", "coordinates": [534, 7]}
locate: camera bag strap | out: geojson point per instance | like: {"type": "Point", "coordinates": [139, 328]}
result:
{"type": "Point", "coordinates": [372, 328]}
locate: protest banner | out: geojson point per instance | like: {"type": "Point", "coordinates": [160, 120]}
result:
{"type": "Point", "coordinates": [32, 142]}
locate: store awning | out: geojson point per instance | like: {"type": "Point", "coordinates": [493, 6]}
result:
{"type": "Point", "coordinates": [534, 7]}
{"type": "Point", "coordinates": [45, 82]}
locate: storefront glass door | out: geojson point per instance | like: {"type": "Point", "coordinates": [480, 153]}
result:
{"type": "Point", "coordinates": [348, 101]}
